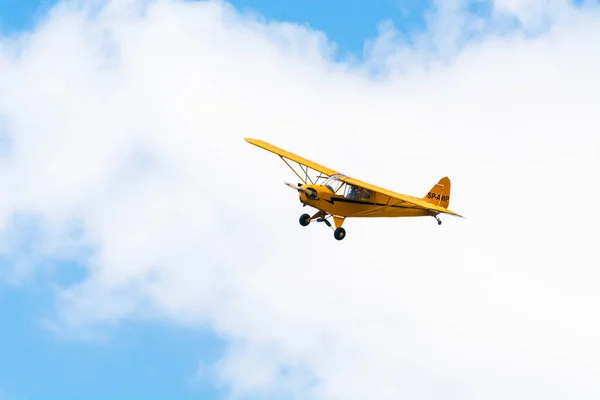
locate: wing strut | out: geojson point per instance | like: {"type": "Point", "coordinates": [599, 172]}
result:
{"type": "Point", "coordinates": [297, 174]}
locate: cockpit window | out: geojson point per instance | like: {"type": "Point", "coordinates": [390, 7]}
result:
{"type": "Point", "coordinates": [334, 184]}
{"type": "Point", "coordinates": [357, 193]}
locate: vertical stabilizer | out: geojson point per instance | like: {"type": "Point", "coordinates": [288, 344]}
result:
{"type": "Point", "coordinates": [439, 193]}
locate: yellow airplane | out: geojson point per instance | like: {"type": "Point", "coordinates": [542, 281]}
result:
{"type": "Point", "coordinates": [338, 196]}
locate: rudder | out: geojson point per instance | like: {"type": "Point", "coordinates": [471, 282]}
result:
{"type": "Point", "coordinates": [439, 193]}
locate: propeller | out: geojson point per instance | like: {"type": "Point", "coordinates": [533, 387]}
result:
{"type": "Point", "coordinates": [311, 193]}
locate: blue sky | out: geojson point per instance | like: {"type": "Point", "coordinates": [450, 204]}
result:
{"type": "Point", "coordinates": [135, 361]}
{"type": "Point", "coordinates": [138, 360]}
{"type": "Point", "coordinates": [348, 23]}
{"type": "Point", "coordinates": [16, 15]}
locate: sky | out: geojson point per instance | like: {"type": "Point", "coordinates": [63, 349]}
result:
{"type": "Point", "coordinates": [148, 251]}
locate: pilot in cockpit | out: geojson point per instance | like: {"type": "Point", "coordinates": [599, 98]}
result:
{"type": "Point", "coordinates": [358, 193]}
{"type": "Point", "coordinates": [352, 193]}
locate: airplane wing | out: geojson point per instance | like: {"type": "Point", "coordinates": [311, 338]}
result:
{"type": "Point", "coordinates": [402, 198]}
{"type": "Point", "coordinates": [291, 156]}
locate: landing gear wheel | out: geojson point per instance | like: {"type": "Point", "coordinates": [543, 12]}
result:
{"type": "Point", "coordinates": [339, 233]}
{"type": "Point", "coordinates": [304, 219]}
{"type": "Point", "coordinates": [439, 221]}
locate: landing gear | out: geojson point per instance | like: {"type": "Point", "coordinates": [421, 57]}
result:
{"type": "Point", "coordinates": [304, 219]}
{"type": "Point", "coordinates": [339, 233]}
{"type": "Point", "coordinates": [438, 219]}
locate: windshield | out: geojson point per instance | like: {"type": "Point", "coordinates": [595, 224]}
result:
{"type": "Point", "coordinates": [332, 180]}
{"type": "Point", "coordinates": [333, 183]}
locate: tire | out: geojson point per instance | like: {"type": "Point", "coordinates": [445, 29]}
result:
{"type": "Point", "coordinates": [304, 219]}
{"type": "Point", "coordinates": [339, 233]}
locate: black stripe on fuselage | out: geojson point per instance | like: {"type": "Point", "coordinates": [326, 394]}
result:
{"type": "Point", "coordinates": [367, 203]}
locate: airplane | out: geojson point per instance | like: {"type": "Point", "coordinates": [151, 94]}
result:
{"type": "Point", "coordinates": [339, 196]}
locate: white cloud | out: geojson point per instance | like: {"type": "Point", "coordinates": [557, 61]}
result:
{"type": "Point", "coordinates": [533, 12]}
{"type": "Point", "coordinates": [130, 124]}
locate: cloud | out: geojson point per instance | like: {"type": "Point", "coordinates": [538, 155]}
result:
{"type": "Point", "coordinates": [532, 13]}
{"type": "Point", "coordinates": [124, 129]}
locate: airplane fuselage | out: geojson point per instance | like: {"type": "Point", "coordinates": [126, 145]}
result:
{"type": "Point", "coordinates": [375, 205]}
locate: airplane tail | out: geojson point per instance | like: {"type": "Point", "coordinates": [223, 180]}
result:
{"type": "Point", "coordinates": [439, 193]}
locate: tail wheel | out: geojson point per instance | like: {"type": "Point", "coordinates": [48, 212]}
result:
{"type": "Point", "coordinates": [339, 233]}
{"type": "Point", "coordinates": [304, 219]}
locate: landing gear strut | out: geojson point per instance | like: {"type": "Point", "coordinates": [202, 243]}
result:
{"type": "Point", "coordinates": [324, 220]}
{"type": "Point", "coordinates": [438, 219]}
